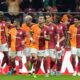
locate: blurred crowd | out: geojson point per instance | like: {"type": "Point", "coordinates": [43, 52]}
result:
{"type": "Point", "coordinates": [41, 5]}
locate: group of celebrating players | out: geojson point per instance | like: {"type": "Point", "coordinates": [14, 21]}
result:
{"type": "Point", "coordinates": [39, 40]}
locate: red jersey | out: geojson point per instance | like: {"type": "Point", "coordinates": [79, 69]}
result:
{"type": "Point", "coordinates": [42, 43]}
{"type": "Point", "coordinates": [52, 34]}
{"type": "Point", "coordinates": [61, 34]}
{"type": "Point", "coordinates": [3, 32]}
{"type": "Point", "coordinates": [20, 36]}
{"type": "Point", "coordinates": [17, 36]}
{"type": "Point", "coordinates": [63, 26]}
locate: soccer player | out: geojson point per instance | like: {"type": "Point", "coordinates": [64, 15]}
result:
{"type": "Point", "coordinates": [26, 26]}
{"type": "Point", "coordinates": [59, 48]}
{"type": "Point", "coordinates": [17, 39]}
{"type": "Point", "coordinates": [64, 27]}
{"type": "Point", "coordinates": [34, 45]}
{"type": "Point", "coordinates": [52, 42]}
{"type": "Point", "coordinates": [44, 36]}
{"type": "Point", "coordinates": [78, 46]}
{"type": "Point", "coordinates": [3, 39]}
{"type": "Point", "coordinates": [73, 43]}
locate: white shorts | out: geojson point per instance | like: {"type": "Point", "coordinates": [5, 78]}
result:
{"type": "Point", "coordinates": [27, 51]}
{"type": "Point", "coordinates": [4, 47]}
{"type": "Point", "coordinates": [12, 54]}
{"type": "Point", "coordinates": [43, 53]}
{"type": "Point", "coordinates": [78, 52]}
{"type": "Point", "coordinates": [60, 53]}
{"type": "Point", "coordinates": [73, 50]}
{"type": "Point", "coordinates": [20, 53]}
{"type": "Point", "coordinates": [33, 50]}
{"type": "Point", "coordinates": [52, 53]}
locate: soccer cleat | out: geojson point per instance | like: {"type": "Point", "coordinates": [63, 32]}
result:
{"type": "Point", "coordinates": [75, 73]}
{"type": "Point", "coordinates": [78, 74]}
{"type": "Point", "coordinates": [9, 73]}
{"type": "Point", "coordinates": [31, 71]}
{"type": "Point", "coordinates": [58, 73]}
{"type": "Point", "coordinates": [34, 75]}
{"type": "Point", "coordinates": [53, 73]}
{"type": "Point", "coordinates": [46, 75]}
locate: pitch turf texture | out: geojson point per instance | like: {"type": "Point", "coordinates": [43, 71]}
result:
{"type": "Point", "coordinates": [39, 77]}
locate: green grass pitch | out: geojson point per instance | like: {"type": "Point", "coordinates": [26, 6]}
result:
{"type": "Point", "coordinates": [39, 77]}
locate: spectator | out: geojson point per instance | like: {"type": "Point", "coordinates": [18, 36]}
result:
{"type": "Point", "coordinates": [13, 6]}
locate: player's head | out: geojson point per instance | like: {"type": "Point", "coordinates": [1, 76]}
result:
{"type": "Point", "coordinates": [48, 18]}
{"type": "Point", "coordinates": [41, 19]}
{"type": "Point", "coordinates": [8, 22]}
{"type": "Point", "coordinates": [16, 24]}
{"type": "Point", "coordinates": [77, 23]}
{"type": "Point", "coordinates": [28, 19]}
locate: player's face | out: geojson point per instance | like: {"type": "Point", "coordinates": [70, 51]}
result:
{"type": "Point", "coordinates": [28, 21]}
{"type": "Point", "coordinates": [16, 24]}
{"type": "Point", "coordinates": [41, 19]}
{"type": "Point", "coordinates": [8, 22]}
{"type": "Point", "coordinates": [75, 20]}
{"type": "Point", "coordinates": [48, 19]}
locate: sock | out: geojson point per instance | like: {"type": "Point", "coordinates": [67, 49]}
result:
{"type": "Point", "coordinates": [59, 63]}
{"type": "Point", "coordinates": [5, 59]}
{"type": "Point", "coordinates": [52, 63]}
{"type": "Point", "coordinates": [33, 60]}
{"type": "Point", "coordinates": [20, 63]}
{"type": "Point", "coordinates": [37, 66]}
{"type": "Point", "coordinates": [73, 63]}
{"type": "Point", "coordinates": [45, 65]}
{"type": "Point", "coordinates": [78, 64]}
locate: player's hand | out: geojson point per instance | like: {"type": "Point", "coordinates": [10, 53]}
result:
{"type": "Point", "coordinates": [31, 32]}
{"type": "Point", "coordinates": [47, 38]}
{"type": "Point", "coordinates": [23, 42]}
{"type": "Point", "coordinates": [32, 40]}
{"type": "Point", "coordinates": [57, 45]}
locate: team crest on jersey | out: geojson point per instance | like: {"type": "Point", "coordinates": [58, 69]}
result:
{"type": "Point", "coordinates": [52, 28]}
{"type": "Point", "coordinates": [44, 32]}
{"type": "Point", "coordinates": [3, 24]}
{"type": "Point", "coordinates": [20, 33]}
{"type": "Point", "coordinates": [61, 27]}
